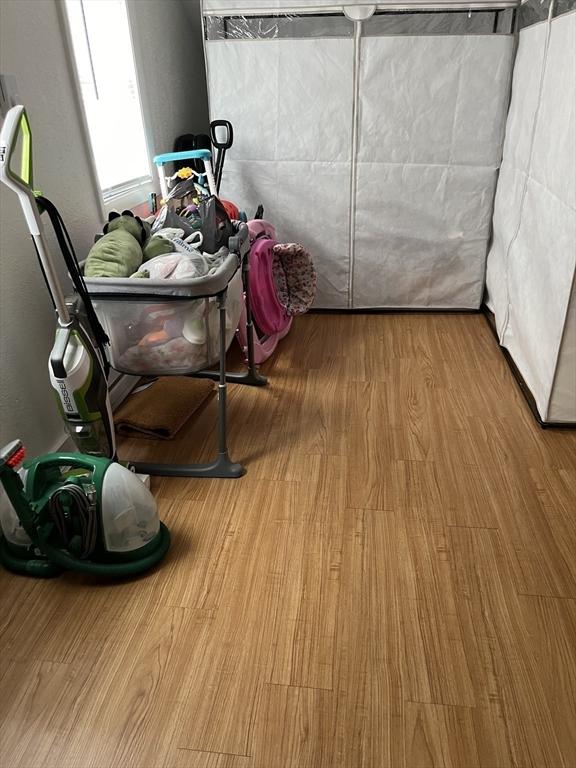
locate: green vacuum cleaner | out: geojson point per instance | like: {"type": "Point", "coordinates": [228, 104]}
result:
{"type": "Point", "coordinates": [76, 512]}
{"type": "Point", "coordinates": [78, 366]}
{"type": "Point", "coordinates": [71, 511]}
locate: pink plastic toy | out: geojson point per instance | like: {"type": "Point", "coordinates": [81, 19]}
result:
{"type": "Point", "coordinates": [273, 322]}
{"type": "Point", "coordinates": [282, 284]}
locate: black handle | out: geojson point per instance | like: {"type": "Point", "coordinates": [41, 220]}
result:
{"type": "Point", "coordinates": [228, 141]}
{"type": "Point", "coordinates": [58, 353]}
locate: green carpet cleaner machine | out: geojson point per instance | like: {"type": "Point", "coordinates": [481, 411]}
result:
{"type": "Point", "coordinates": [71, 511]}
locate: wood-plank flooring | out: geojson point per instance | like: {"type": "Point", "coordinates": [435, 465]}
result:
{"type": "Point", "coordinates": [392, 584]}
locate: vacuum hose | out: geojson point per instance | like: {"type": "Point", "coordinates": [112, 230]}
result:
{"type": "Point", "coordinates": [59, 506]}
{"type": "Point", "coordinates": [128, 568]}
{"type": "Point", "coordinates": [69, 501]}
{"type": "Point", "coordinates": [40, 569]}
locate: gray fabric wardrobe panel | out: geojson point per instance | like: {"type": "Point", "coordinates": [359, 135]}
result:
{"type": "Point", "coordinates": [287, 99]}
{"type": "Point", "coordinates": [539, 286]}
{"type": "Point", "coordinates": [434, 99]}
{"type": "Point", "coordinates": [509, 189]}
{"type": "Point", "coordinates": [308, 203]}
{"type": "Point", "coordinates": [421, 233]}
{"type": "Point", "coordinates": [540, 274]}
{"type": "Point", "coordinates": [290, 102]}
{"type": "Point", "coordinates": [554, 156]}
{"type": "Point", "coordinates": [431, 120]}
{"type": "Point", "coordinates": [430, 123]}
{"type": "Point", "coordinates": [562, 406]}
{"type": "Point", "coordinates": [532, 262]}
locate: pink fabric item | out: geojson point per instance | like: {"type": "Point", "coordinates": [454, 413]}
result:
{"type": "Point", "coordinates": [268, 312]}
{"type": "Point", "coordinates": [261, 228]}
{"type": "Point", "coordinates": [263, 347]}
{"type": "Point", "coordinates": [282, 284]}
{"type": "Point", "coordinates": [294, 277]}
{"type": "Point", "coordinates": [270, 315]}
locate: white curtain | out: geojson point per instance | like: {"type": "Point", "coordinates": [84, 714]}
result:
{"type": "Point", "coordinates": [290, 102]}
{"type": "Point", "coordinates": [531, 265]}
{"type": "Point", "coordinates": [432, 113]}
{"type": "Point", "coordinates": [430, 123]}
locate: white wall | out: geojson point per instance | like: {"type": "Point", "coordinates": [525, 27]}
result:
{"type": "Point", "coordinates": [170, 63]}
{"type": "Point", "coordinates": [32, 49]}
{"type": "Point", "coordinates": [167, 40]}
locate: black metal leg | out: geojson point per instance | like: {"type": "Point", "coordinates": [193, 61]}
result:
{"type": "Point", "coordinates": [241, 377]}
{"type": "Point", "coordinates": [222, 466]}
{"type": "Point", "coordinates": [256, 378]}
{"type": "Point", "coordinates": [251, 376]}
{"type": "Point", "coordinates": [222, 412]}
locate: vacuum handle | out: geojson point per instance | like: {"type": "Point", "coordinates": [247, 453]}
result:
{"type": "Point", "coordinates": [81, 460]}
{"type": "Point", "coordinates": [59, 353]}
{"type": "Point", "coordinates": [16, 124]}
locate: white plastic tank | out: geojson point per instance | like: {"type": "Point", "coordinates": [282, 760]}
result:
{"type": "Point", "coordinates": [9, 522]}
{"type": "Point", "coordinates": [129, 512]}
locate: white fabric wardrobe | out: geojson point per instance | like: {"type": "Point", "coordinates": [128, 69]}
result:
{"type": "Point", "coordinates": [531, 266]}
{"type": "Point", "coordinates": [375, 143]}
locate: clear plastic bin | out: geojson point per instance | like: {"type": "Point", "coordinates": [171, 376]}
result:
{"type": "Point", "coordinates": [176, 336]}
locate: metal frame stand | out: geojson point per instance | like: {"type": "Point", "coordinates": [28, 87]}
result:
{"type": "Point", "coordinates": [222, 466]}
{"type": "Point", "coordinates": [250, 376]}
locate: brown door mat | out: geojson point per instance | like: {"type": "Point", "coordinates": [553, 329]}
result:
{"type": "Point", "coordinates": [163, 408]}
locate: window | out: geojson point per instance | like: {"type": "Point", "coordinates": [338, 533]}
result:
{"type": "Point", "coordinates": [104, 60]}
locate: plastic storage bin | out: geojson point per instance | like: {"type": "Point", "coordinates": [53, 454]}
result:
{"type": "Point", "coordinates": [169, 327]}
{"type": "Point", "coordinates": [167, 337]}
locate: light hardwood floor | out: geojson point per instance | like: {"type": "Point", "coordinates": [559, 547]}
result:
{"type": "Point", "coordinates": [393, 583]}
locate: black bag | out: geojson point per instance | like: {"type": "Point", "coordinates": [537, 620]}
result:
{"type": "Point", "coordinates": [216, 225]}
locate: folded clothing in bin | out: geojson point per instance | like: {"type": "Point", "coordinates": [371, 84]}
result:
{"type": "Point", "coordinates": [177, 266]}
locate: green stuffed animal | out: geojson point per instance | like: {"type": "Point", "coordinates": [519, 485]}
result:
{"type": "Point", "coordinates": [126, 243]}
{"type": "Point", "coordinates": [156, 246]}
{"type": "Point", "coordinates": [119, 252]}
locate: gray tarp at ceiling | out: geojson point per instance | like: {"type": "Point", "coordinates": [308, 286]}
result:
{"type": "Point", "coordinates": [375, 144]}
